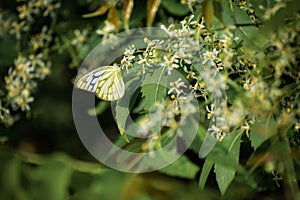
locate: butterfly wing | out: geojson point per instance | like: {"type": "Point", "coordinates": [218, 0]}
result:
{"type": "Point", "coordinates": [110, 85]}
{"type": "Point", "coordinates": [105, 81]}
{"type": "Point", "coordinates": [89, 80]}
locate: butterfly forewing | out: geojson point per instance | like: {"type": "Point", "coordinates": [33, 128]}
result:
{"type": "Point", "coordinates": [89, 81]}
{"type": "Point", "coordinates": [105, 81]}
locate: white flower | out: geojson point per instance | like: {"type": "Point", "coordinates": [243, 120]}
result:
{"type": "Point", "coordinates": [176, 87]}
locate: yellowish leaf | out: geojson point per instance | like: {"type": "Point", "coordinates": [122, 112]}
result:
{"type": "Point", "coordinates": [152, 7]}
{"type": "Point", "coordinates": [113, 17]}
{"type": "Point", "coordinates": [208, 11]}
{"type": "Point", "coordinates": [127, 9]}
{"type": "Point", "coordinates": [100, 11]}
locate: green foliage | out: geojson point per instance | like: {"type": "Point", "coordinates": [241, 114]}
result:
{"type": "Point", "coordinates": [181, 168]}
{"type": "Point", "coordinates": [262, 130]}
{"type": "Point", "coordinates": [49, 180]}
{"type": "Point", "coordinates": [175, 7]}
{"type": "Point", "coordinates": [154, 88]}
{"type": "Point", "coordinates": [29, 176]}
{"type": "Point", "coordinates": [226, 173]}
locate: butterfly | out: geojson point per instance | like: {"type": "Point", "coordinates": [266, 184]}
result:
{"type": "Point", "coordinates": [105, 81]}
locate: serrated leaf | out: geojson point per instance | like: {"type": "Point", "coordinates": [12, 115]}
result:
{"type": "Point", "coordinates": [153, 87]}
{"type": "Point", "coordinates": [227, 151]}
{"type": "Point", "coordinates": [262, 130]}
{"type": "Point", "coordinates": [182, 168]}
{"type": "Point", "coordinates": [224, 177]}
{"type": "Point", "coordinates": [152, 7]}
{"type": "Point", "coordinates": [225, 174]}
{"type": "Point", "coordinates": [226, 158]}
{"type": "Point", "coordinates": [127, 10]}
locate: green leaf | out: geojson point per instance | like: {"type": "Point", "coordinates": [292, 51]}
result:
{"type": "Point", "coordinates": [204, 173]}
{"type": "Point", "coordinates": [226, 158]}
{"type": "Point", "coordinates": [261, 37]}
{"type": "Point", "coordinates": [51, 179]}
{"type": "Point", "coordinates": [224, 13]}
{"type": "Point", "coordinates": [109, 185]}
{"type": "Point", "coordinates": [182, 168]}
{"type": "Point", "coordinates": [191, 130]}
{"type": "Point", "coordinates": [158, 159]}
{"type": "Point", "coordinates": [123, 105]}
{"type": "Point", "coordinates": [138, 14]}
{"type": "Point", "coordinates": [175, 7]}
{"type": "Point", "coordinates": [243, 32]}
{"type": "Point", "coordinates": [262, 130]}
{"type": "Point", "coordinates": [99, 109]}
{"type": "Point", "coordinates": [153, 87]}
{"type": "Point", "coordinates": [226, 152]}
{"type": "Point", "coordinates": [9, 175]}
{"type": "Point", "coordinates": [224, 177]}
{"type": "Point", "coordinates": [218, 11]}
{"type": "Point", "coordinates": [195, 146]}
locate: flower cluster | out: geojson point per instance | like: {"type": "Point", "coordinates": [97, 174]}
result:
{"type": "Point", "coordinates": [5, 116]}
{"type": "Point", "coordinates": [180, 50]}
{"type": "Point", "coordinates": [128, 58]}
{"type": "Point", "coordinates": [21, 80]}
{"type": "Point", "coordinates": [32, 63]}
{"type": "Point", "coordinates": [28, 12]}
{"type": "Point", "coordinates": [31, 9]}
{"type": "Point", "coordinates": [166, 115]}
{"type": "Point", "coordinates": [177, 89]}
{"type": "Point", "coordinates": [107, 32]}
{"type": "Point", "coordinates": [80, 38]}
{"type": "Point", "coordinates": [41, 40]}
{"type": "Point", "coordinates": [212, 60]}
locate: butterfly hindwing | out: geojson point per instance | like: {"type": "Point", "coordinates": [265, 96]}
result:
{"type": "Point", "coordinates": [110, 85]}
{"type": "Point", "coordinates": [105, 81]}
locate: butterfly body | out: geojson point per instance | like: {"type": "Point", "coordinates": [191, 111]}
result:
{"type": "Point", "coordinates": [106, 82]}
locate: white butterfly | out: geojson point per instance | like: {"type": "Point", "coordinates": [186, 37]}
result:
{"type": "Point", "coordinates": [106, 82]}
